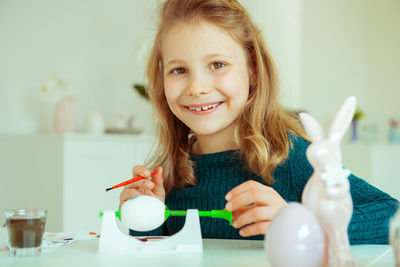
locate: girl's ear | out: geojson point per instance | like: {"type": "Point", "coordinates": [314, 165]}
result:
{"type": "Point", "coordinates": [313, 130]}
{"type": "Point", "coordinates": [342, 119]}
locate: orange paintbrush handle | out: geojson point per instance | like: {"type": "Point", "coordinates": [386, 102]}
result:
{"type": "Point", "coordinates": [129, 181]}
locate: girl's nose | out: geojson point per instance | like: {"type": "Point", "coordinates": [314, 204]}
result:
{"type": "Point", "coordinates": [196, 88]}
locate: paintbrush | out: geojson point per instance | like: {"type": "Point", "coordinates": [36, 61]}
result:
{"type": "Point", "coordinates": [129, 181]}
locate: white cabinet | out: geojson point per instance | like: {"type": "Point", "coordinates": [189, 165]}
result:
{"type": "Point", "coordinates": [68, 174]}
{"type": "Point", "coordinates": [376, 163]}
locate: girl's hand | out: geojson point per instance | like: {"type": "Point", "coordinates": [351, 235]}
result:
{"type": "Point", "coordinates": [253, 206]}
{"type": "Point", "coordinates": [154, 188]}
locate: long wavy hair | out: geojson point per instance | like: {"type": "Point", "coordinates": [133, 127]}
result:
{"type": "Point", "coordinates": [263, 129]}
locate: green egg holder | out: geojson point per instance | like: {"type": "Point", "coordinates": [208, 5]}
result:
{"type": "Point", "coordinates": [220, 214]}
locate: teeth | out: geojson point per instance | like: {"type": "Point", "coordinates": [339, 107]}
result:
{"type": "Point", "coordinates": [203, 107]}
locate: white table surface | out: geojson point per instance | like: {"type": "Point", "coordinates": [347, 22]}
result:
{"type": "Point", "coordinates": [217, 252]}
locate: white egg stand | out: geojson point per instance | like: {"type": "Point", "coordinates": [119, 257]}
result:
{"type": "Point", "coordinates": [187, 240]}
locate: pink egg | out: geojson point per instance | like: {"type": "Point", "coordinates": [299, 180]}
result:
{"type": "Point", "coordinates": [294, 238]}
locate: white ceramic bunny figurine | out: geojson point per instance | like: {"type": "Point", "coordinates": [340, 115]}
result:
{"type": "Point", "coordinates": [327, 192]}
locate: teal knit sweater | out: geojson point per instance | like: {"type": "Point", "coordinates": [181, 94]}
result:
{"type": "Point", "coordinates": [218, 173]}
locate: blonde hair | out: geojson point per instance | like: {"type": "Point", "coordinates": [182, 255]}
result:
{"type": "Point", "coordinates": [263, 128]}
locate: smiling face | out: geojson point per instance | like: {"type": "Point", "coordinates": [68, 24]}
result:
{"type": "Point", "coordinates": [206, 79]}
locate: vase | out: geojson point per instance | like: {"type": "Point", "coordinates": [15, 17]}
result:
{"type": "Point", "coordinates": [394, 135]}
{"type": "Point", "coordinates": [64, 116]}
{"type": "Point", "coordinates": [354, 133]}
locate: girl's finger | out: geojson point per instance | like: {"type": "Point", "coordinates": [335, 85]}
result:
{"type": "Point", "coordinates": [144, 183]}
{"type": "Point", "coordinates": [259, 228]}
{"type": "Point", "coordinates": [140, 170]}
{"type": "Point", "coordinates": [157, 179]}
{"type": "Point", "coordinates": [253, 196]}
{"type": "Point", "coordinates": [239, 212]}
{"type": "Point", "coordinates": [250, 184]}
{"type": "Point", "coordinates": [254, 215]}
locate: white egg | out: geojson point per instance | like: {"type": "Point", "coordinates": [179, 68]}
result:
{"type": "Point", "coordinates": [294, 238]}
{"type": "Point", "coordinates": [143, 213]}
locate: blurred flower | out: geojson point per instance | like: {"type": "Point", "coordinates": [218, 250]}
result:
{"type": "Point", "coordinates": [358, 115]}
{"type": "Point", "coordinates": [55, 89]}
{"type": "Point", "coordinates": [394, 123]}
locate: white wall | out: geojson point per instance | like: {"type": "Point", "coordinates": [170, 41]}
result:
{"type": "Point", "coordinates": [92, 45]}
{"type": "Point", "coordinates": [351, 48]}
{"type": "Point", "coordinates": [280, 21]}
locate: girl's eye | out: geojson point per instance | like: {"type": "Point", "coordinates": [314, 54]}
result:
{"type": "Point", "coordinates": [217, 65]}
{"type": "Point", "coordinates": [179, 71]}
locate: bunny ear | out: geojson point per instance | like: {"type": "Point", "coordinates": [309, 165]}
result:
{"type": "Point", "coordinates": [342, 119]}
{"type": "Point", "coordinates": [313, 130]}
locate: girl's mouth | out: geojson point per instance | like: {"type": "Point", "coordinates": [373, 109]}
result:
{"type": "Point", "coordinates": [204, 109]}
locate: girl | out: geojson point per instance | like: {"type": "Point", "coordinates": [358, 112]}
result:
{"type": "Point", "coordinates": [225, 141]}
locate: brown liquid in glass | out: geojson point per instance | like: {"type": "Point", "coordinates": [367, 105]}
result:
{"type": "Point", "coordinates": [26, 233]}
